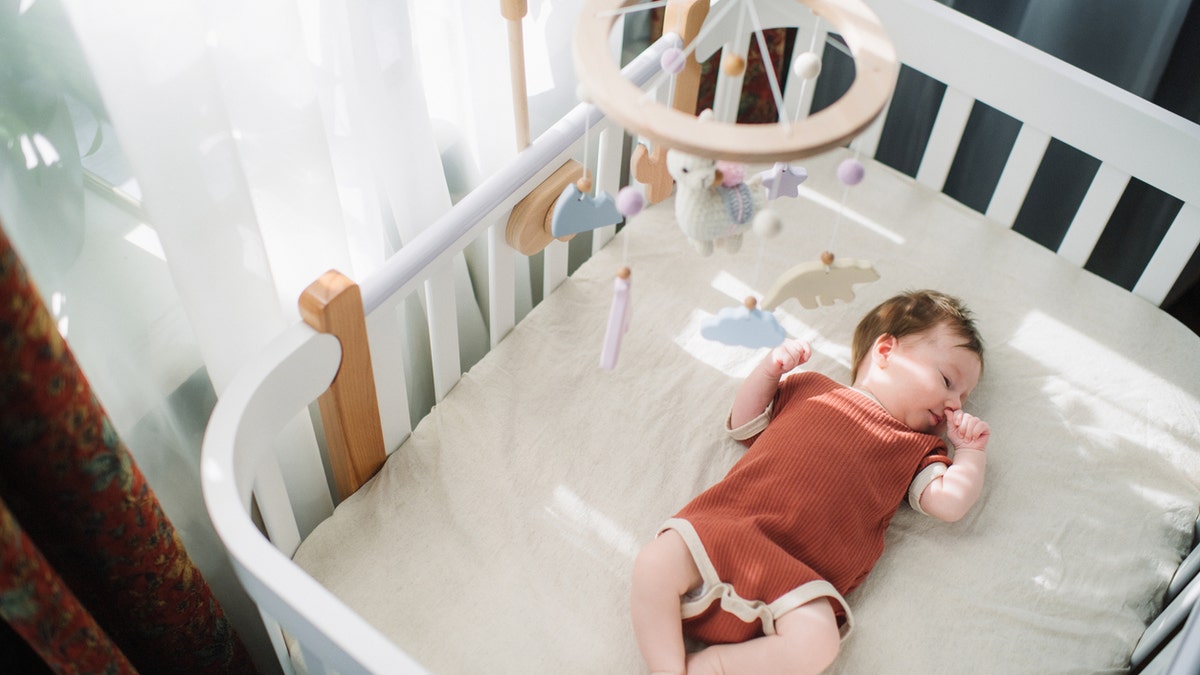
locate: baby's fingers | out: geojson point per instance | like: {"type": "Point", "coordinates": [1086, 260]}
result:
{"type": "Point", "coordinates": [964, 428]}
{"type": "Point", "coordinates": [791, 354]}
{"type": "Point", "coordinates": [804, 353]}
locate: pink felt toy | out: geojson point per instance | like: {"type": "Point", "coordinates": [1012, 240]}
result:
{"type": "Point", "coordinates": [618, 320]}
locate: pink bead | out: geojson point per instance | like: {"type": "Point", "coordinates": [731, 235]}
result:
{"type": "Point", "coordinates": [672, 60]}
{"type": "Point", "coordinates": [851, 171]}
{"type": "Point", "coordinates": [629, 201]}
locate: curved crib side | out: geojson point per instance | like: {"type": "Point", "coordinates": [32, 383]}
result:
{"type": "Point", "coordinates": [239, 468]}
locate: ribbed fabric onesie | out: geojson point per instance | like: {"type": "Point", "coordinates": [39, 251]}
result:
{"type": "Point", "coordinates": [803, 513]}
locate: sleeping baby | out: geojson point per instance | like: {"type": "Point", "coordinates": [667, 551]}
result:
{"type": "Point", "coordinates": [757, 567]}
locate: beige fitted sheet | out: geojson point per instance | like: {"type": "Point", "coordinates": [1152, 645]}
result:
{"type": "Point", "coordinates": [500, 537]}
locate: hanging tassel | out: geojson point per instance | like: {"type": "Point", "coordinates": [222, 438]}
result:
{"type": "Point", "coordinates": [618, 320]}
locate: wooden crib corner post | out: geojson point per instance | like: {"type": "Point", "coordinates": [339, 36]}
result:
{"type": "Point", "coordinates": [685, 18]}
{"type": "Point", "coordinates": [349, 408]}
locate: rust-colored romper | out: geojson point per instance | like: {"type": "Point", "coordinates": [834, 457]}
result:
{"type": "Point", "coordinates": [802, 514]}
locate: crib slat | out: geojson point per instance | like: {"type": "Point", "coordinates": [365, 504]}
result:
{"type": "Point", "coordinates": [384, 330]}
{"type": "Point", "coordinates": [945, 137]}
{"type": "Point", "coordinates": [270, 491]}
{"type": "Point", "coordinates": [442, 312]}
{"type": "Point", "coordinates": [555, 266]}
{"type": "Point", "coordinates": [1000, 71]}
{"type": "Point", "coordinates": [278, 643]}
{"type": "Point", "coordinates": [867, 143]}
{"type": "Point", "coordinates": [798, 92]}
{"type": "Point", "coordinates": [1093, 214]}
{"type": "Point", "coordinates": [729, 87]}
{"type": "Point", "coordinates": [609, 147]}
{"type": "Point", "coordinates": [501, 281]}
{"type": "Point", "coordinates": [1171, 256]}
{"type": "Point", "coordinates": [1018, 175]}
{"type": "Point", "coordinates": [312, 663]}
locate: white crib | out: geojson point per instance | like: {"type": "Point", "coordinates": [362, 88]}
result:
{"type": "Point", "coordinates": [1124, 432]}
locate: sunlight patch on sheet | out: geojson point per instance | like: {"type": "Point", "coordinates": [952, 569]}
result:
{"type": "Point", "coordinates": [1051, 576]}
{"type": "Point", "coordinates": [838, 352]}
{"type": "Point", "coordinates": [734, 287]}
{"type": "Point", "coordinates": [1061, 348]}
{"type": "Point", "coordinates": [737, 362]}
{"type": "Point", "coordinates": [850, 214]}
{"type": "Point", "coordinates": [568, 507]}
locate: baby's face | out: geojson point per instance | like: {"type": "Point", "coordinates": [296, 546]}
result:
{"type": "Point", "coordinates": [924, 375]}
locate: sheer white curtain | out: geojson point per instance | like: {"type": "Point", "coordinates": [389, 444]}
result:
{"type": "Point", "coordinates": [263, 144]}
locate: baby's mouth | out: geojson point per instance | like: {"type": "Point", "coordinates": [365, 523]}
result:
{"type": "Point", "coordinates": [937, 419]}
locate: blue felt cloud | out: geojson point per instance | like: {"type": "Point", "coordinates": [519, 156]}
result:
{"type": "Point", "coordinates": [575, 212]}
{"type": "Point", "coordinates": [743, 327]}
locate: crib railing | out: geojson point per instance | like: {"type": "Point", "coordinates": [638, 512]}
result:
{"type": "Point", "coordinates": [240, 466]}
{"type": "Point", "coordinates": [1130, 137]}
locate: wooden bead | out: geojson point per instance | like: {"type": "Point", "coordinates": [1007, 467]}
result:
{"type": "Point", "coordinates": [827, 258]}
{"type": "Point", "coordinates": [584, 184]}
{"type": "Point", "coordinates": [623, 273]}
{"type": "Point", "coordinates": [750, 302]}
{"type": "Point", "coordinates": [733, 65]}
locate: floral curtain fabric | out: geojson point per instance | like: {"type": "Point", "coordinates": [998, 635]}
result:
{"type": "Point", "coordinates": [93, 575]}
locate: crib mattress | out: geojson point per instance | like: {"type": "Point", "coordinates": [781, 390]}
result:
{"type": "Point", "coordinates": [501, 535]}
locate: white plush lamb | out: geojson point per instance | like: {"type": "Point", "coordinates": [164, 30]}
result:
{"type": "Point", "coordinates": [714, 206]}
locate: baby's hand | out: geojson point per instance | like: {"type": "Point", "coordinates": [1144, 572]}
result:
{"type": "Point", "coordinates": [966, 431]}
{"type": "Point", "coordinates": [786, 356]}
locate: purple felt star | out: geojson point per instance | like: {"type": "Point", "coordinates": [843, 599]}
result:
{"type": "Point", "coordinates": [783, 180]}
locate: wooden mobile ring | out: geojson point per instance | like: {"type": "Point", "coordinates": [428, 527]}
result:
{"type": "Point", "coordinates": [875, 67]}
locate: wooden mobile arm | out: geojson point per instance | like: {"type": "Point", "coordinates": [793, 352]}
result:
{"type": "Point", "coordinates": [514, 12]}
{"type": "Point", "coordinates": [349, 408]}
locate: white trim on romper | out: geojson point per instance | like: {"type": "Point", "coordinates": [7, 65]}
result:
{"type": "Point", "coordinates": [713, 589]}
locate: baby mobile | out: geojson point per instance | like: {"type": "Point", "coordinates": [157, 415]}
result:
{"type": "Point", "coordinates": [705, 160]}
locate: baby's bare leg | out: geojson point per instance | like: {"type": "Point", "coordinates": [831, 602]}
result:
{"type": "Point", "coordinates": [806, 640]}
{"type": "Point", "coordinates": [662, 574]}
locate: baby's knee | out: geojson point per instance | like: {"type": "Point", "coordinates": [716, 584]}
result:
{"type": "Point", "coordinates": [812, 635]}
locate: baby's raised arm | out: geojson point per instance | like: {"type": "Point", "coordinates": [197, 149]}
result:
{"type": "Point", "coordinates": [760, 386]}
{"type": "Point", "coordinates": [949, 496]}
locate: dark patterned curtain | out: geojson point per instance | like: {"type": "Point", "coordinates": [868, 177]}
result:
{"type": "Point", "coordinates": [93, 577]}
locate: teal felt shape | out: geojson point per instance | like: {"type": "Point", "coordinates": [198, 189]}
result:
{"type": "Point", "coordinates": [743, 327]}
{"type": "Point", "coordinates": [575, 212]}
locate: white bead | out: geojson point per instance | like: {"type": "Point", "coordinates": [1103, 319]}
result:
{"type": "Point", "coordinates": [767, 223]}
{"type": "Point", "coordinates": [807, 65]}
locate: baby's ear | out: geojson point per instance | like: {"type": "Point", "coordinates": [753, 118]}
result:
{"type": "Point", "coordinates": [882, 349]}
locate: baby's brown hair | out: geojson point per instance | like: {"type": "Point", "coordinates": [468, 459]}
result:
{"type": "Point", "coordinates": [914, 312]}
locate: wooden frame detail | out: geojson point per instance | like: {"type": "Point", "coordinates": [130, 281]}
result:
{"type": "Point", "coordinates": [350, 407]}
{"type": "Point", "coordinates": [528, 229]}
